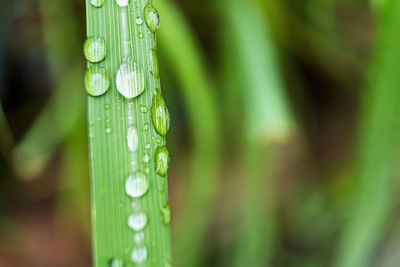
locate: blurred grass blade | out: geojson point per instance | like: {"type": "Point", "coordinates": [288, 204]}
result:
{"type": "Point", "coordinates": [130, 210]}
{"type": "Point", "coordinates": [66, 104]}
{"type": "Point", "coordinates": [378, 148]}
{"type": "Point", "coordinates": [181, 49]}
{"type": "Point", "coordinates": [267, 122]}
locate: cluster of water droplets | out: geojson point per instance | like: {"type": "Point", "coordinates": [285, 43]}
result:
{"type": "Point", "coordinates": [131, 82]}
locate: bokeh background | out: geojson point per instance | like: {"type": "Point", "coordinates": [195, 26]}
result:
{"type": "Point", "coordinates": [284, 132]}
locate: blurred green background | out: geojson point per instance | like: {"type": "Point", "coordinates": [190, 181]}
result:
{"type": "Point", "coordinates": [285, 122]}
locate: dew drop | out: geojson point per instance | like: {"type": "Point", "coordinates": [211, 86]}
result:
{"type": "Point", "coordinates": [139, 21]}
{"type": "Point", "coordinates": [140, 35]}
{"type": "Point", "coordinates": [139, 255]}
{"type": "Point", "coordinates": [160, 114]}
{"type": "Point", "coordinates": [146, 127]}
{"type": "Point", "coordinates": [158, 141]}
{"type": "Point", "coordinates": [139, 237]}
{"type": "Point", "coordinates": [122, 3]}
{"type": "Point", "coordinates": [151, 17]}
{"type": "Point", "coordinates": [96, 81]}
{"type": "Point", "coordinates": [94, 49]}
{"type": "Point", "coordinates": [146, 158]}
{"type": "Point", "coordinates": [108, 130]}
{"type": "Point", "coordinates": [130, 79]}
{"type": "Point", "coordinates": [154, 63]}
{"type": "Point", "coordinates": [137, 221]}
{"type": "Point", "coordinates": [147, 170]}
{"type": "Point", "coordinates": [97, 3]}
{"type": "Point", "coordinates": [107, 106]}
{"type": "Point", "coordinates": [166, 214]}
{"type": "Point", "coordinates": [143, 108]}
{"type": "Point", "coordinates": [147, 146]}
{"type": "Point", "coordinates": [162, 160]}
{"type": "Point", "coordinates": [137, 185]}
{"type": "Point", "coordinates": [132, 139]}
{"type": "Point", "coordinates": [115, 262]}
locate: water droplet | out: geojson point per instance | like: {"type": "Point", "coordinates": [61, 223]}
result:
{"type": "Point", "coordinates": [166, 214]}
{"type": "Point", "coordinates": [114, 262]}
{"type": "Point", "coordinates": [143, 108]}
{"type": "Point", "coordinates": [130, 79]}
{"type": "Point", "coordinates": [146, 158]}
{"type": "Point", "coordinates": [137, 185]}
{"type": "Point", "coordinates": [151, 17]}
{"type": "Point", "coordinates": [108, 130]}
{"type": "Point", "coordinates": [158, 141]}
{"type": "Point", "coordinates": [96, 81]}
{"type": "Point", "coordinates": [139, 21]}
{"type": "Point", "coordinates": [122, 3]}
{"type": "Point", "coordinates": [139, 237]}
{"type": "Point", "coordinates": [146, 127]}
{"type": "Point", "coordinates": [147, 146]}
{"type": "Point", "coordinates": [147, 170]}
{"type": "Point", "coordinates": [108, 120]}
{"type": "Point", "coordinates": [107, 106]}
{"type": "Point", "coordinates": [154, 63]}
{"type": "Point", "coordinates": [139, 255]}
{"type": "Point", "coordinates": [137, 221]}
{"type": "Point", "coordinates": [162, 160]}
{"type": "Point", "coordinates": [132, 139]}
{"type": "Point", "coordinates": [94, 49]}
{"type": "Point", "coordinates": [160, 114]}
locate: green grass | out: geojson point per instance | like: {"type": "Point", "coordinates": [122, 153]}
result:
{"type": "Point", "coordinates": [110, 116]}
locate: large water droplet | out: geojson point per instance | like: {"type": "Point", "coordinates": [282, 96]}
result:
{"type": "Point", "coordinates": [97, 3]}
{"type": "Point", "coordinates": [115, 262]}
{"type": "Point", "coordinates": [137, 221]}
{"type": "Point", "coordinates": [94, 49]}
{"type": "Point", "coordinates": [96, 81]}
{"type": "Point", "coordinates": [139, 255]}
{"type": "Point", "coordinates": [132, 139]}
{"type": "Point", "coordinates": [160, 114]}
{"type": "Point", "coordinates": [154, 63]}
{"type": "Point", "coordinates": [166, 214]}
{"type": "Point", "coordinates": [122, 3]}
{"type": "Point", "coordinates": [137, 185]}
{"type": "Point", "coordinates": [130, 79]}
{"type": "Point", "coordinates": [151, 17]}
{"type": "Point", "coordinates": [162, 160]}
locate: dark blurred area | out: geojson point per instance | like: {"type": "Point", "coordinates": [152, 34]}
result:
{"type": "Point", "coordinates": [309, 154]}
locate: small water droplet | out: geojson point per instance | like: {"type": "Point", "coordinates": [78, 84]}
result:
{"type": "Point", "coordinates": [137, 221]}
{"type": "Point", "coordinates": [166, 214]}
{"type": "Point", "coordinates": [162, 160]}
{"type": "Point", "coordinates": [94, 49]}
{"type": "Point", "coordinates": [108, 130]}
{"type": "Point", "coordinates": [147, 170]}
{"type": "Point", "coordinates": [137, 185]}
{"type": "Point", "coordinates": [139, 255]}
{"type": "Point", "coordinates": [154, 63]}
{"type": "Point", "coordinates": [151, 17]}
{"type": "Point", "coordinates": [147, 146]}
{"type": "Point", "coordinates": [96, 81]}
{"type": "Point", "coordinates": [160, 114]}
{"type": "Point", "coordinates": [130, 79]}
{"type": "Point", "coordinates": [141, 35]}
{"type": "Point", "coordinates": [122, 3]}
{"type": "Point", "coordinates": [158, 141]}
{"type": "Point", "coordinates": [143, 108]}
{"type": "Point", "coordinates": [146, 127]}
{"type": "Point", "coordinates": [107, 106]}
{"type": "Point", "coordinates": [132, 139]}
{"type": "Point", "coordinates": [97, 3]}
{"type": "Point", "coordinates": [115, 262]}
{"type": "Point", "coordinates": [108, 120]}
{"type": "Point", "coordinates": [146, 158]}
{"type": "Point", "coordinates": [139, 21]}
{"type": "Point", "coordinates": [139, 237]}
